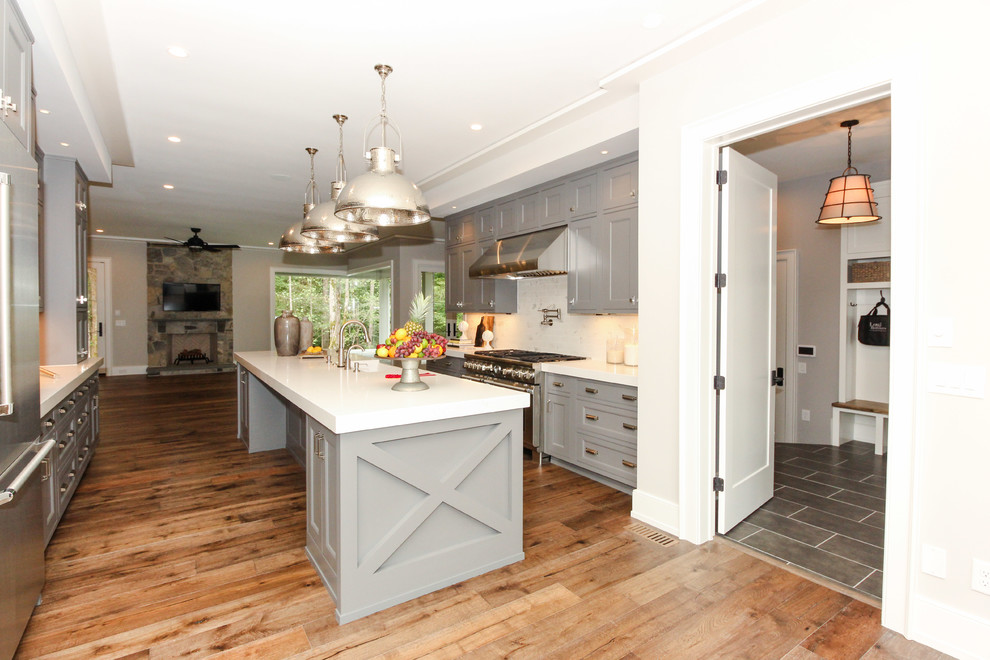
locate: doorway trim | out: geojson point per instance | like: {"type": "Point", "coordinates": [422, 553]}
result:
{"type": "Point", "coordinates": [790, 257]}
{"type": "Point", "coordinates": [105, 297]}
{"type": "Point", "coordinates": [700, 141]}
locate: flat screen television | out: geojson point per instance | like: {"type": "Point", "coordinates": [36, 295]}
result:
{"type": "Point", "coordinates": [190, 297]}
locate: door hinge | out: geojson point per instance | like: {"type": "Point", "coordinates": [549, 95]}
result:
{"type": "Point", "coordinates": [718, 485]}
{"type": "Point", "coordinates": [719, 382]}
{"type": "Point", "coordinates": [720, 280]}
{"type": "Point", "coordinates": [721, 177]}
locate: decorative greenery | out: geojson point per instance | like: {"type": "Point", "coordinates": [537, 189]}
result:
{"type": "Point", "coordinates": [326, 301]}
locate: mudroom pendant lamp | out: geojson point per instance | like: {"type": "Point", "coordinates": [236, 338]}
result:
{"type": "Point", "coordinates": [381, 196]}
{"type": "Point", "coordinates": [849, 199]}
{"type": "Point", "coordinates": [293, 240]}
{"type": "Point", "coordinates": [319, 221]}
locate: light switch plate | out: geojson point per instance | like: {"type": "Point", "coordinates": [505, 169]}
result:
{"type": "Point", "coordinates": [940, 331]}
{"type": "Point", "coordinates": [933, 560]}
{"type": "Point", "coordinates": [802, 367]}
{"type": "Point", "coordinates": [120, 323]}
{"type": "Point", "coordinates": [957, 379]}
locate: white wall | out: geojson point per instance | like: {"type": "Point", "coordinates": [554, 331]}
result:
{"type": "Point", "coordinates": [937, 454]}
{"type": "Point", "coordinates": [128, 284]}
{"type": "Point", "coordinates": [57, 324]}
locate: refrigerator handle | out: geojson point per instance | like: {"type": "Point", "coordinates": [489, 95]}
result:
{"type": "Point", "coordinates": [10, 491]}
{"type": "Point", "coordinates": [6, 374]}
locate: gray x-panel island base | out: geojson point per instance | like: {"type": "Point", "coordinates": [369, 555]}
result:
{"type": "Point", "coordinates": [406, 492]}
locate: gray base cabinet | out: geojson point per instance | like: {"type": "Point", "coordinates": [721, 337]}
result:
{"type": "Point", "coordinates": [592, 425]}
{"type": "Point", "coordinates": [74, 425]}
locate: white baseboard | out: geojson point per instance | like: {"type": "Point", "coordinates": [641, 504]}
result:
{"type": "Point", "coordinates": [132, 370]}
{"type": "Point", "coordinates": [946, 629]}
{"type": "Point", "coordinates": [656, 512]}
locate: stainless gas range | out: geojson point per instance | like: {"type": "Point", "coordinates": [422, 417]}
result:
{"type": "Point", "coordinates": [518, 370]}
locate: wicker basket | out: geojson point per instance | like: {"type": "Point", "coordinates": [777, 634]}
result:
{"type": "Point", "coordinates": [869, 271]}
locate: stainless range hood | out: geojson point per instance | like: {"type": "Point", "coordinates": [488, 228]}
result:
{"type": "Point", "coordinates": [540, 254]}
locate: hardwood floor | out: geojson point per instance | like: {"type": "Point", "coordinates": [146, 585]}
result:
{"type": "Point", "coordinates": [180, 543]}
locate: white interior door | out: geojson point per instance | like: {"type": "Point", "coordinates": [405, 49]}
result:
{"type": "Point", "coordinates": [99, 302]}
{"type": "Point", "coordinates": [748, 351]}
{"type": "Point", "coordinates": [786, 346]}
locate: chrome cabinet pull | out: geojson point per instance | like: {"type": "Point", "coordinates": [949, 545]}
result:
{"type": "Point", "coordinates": [593, 452]}
{"type": "Point", "coordinates": [591, 390]}
{"type": "Point", "coordinates": [48, 469]}
{"type": "Point", "coordinates": [631, 427]}
{"type": "Point", "coordinates": [49, 423]}
{"type": "Point", "coordinates": [593, 418]}
{"type": "Point", "coordinates": [629, 397]}
{"type": "Point", "coordinates": [557, 384]}
{"type": "Point", "coordinates": [62, 411]}
{"type": "Point", "coordinates": [628, 464]}
{"type": "Point", "coordinates": [61, 445]}
{"type": "Point", "coordinates": [318, 445]}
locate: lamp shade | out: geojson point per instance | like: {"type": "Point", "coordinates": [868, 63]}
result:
{"type": "Point", "coordinates": [849, 200]}
{"type": "Point", "coordinates": [381, 196]}
{"type": "Point", "coordinates": [293, 241]}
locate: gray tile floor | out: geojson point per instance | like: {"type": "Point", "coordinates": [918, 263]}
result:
{"type": "Point", "coordinates": [826, 514]}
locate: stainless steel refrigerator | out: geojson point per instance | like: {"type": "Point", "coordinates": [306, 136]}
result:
{"type": "Point", "coordinates": [25, 467]}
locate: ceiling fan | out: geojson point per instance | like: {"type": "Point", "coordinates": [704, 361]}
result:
{"type": "Point", "coordinates": [194, 242]}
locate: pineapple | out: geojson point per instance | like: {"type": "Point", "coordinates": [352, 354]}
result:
{"type": "Point", "coordinates": [420, 306]}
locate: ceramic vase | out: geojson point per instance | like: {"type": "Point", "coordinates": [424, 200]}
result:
{"type": "Point", "coordinates": [287, 334]}
{"type": "Point", "coordinates": [305, 334]}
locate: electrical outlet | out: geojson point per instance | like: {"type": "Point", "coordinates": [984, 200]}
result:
{"type": "Point", "coordinates": [805, 415]}
{"type": "Point", "coordinates": [981, 576]}
{"type": "Point", "coordinates": [802, 367]}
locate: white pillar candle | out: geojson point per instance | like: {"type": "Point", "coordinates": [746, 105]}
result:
{"type": "Point", "coordinates": [631, 356]}
{"type": "Point", "coordinates": [615, 355]}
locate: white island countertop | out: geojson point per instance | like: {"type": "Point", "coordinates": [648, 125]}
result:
{"type": "Point", "coordinates": [599, 370]}
{"type": "Point", "coordinates": [67, 378]}
{"type": "Point", "coordinates": [347, 401]}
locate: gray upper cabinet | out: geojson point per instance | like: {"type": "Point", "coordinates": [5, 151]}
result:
{"type": "Point", "coordinates": [528, 218]}
{"type": "Point", "coordinates": [582, 196]}
{"type": "Point", "coordinates": [460, 229]}
{"type": "Point", "coordinates": [619, 186]}
{"type": "Point", "coordinates": [507, 219]}
{"type": "Point", "coordinates": [484, 224]}
{"type": "Point", "coordinates": [583, 265]}
{"type": "Point", "coordinates": [550, 206]}
{"type": "Point", "coordinates": [620, 260]}
{"type": "Point", "coordinates": [457, 276]}
{"type": "Point", "coordinates": [15, 99]}
{"type": "Point", "coordinates": [464, 294]}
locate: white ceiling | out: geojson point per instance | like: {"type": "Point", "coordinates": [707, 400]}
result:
{"type": "Point", "coordinates": [263, 79]}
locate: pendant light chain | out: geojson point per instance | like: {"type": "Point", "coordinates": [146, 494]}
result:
{"type": "Point", "coordinates": [341, 168]}
{"type": "Point", "coordinates": [383, 71]}
{"type": "Point", "coordinates": [312, 197]}
{"type": "Point", "coordinates": [849, 149]}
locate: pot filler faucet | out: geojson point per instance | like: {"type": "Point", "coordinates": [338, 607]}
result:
{"type": "Point", "coordinates": [341, 360]}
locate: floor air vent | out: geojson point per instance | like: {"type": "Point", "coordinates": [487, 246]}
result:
{"type": "Point", "coordinates": [651, 534]}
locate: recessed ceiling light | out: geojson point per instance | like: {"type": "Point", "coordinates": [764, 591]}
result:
{"type": "Point", "coordinates": [652, 20]}
{"type": "Point", "coordinates": [64, 144]}
{"type": "Point", "coordinates": [604, 151]}
{"type": "Point", "coordinates": [271, 243]}
{"type": "Point", "coordinates": [174, 138]}
{"type": "Point", "coordinates": [168, 186]}
{"type": "Point", "coordinates": [453, 207]}
{"type": "Point", "coordinates": [178, 51]}
{"type": "Point", "coordinates": [44, 112]}
{"type": "Point", "coordinates": [99, 231]}
{"type": "Point", "coordinates": [476, 127]}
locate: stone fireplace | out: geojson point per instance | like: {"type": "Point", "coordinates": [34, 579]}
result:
{"type": "Point", "coordinates": [194, 341]}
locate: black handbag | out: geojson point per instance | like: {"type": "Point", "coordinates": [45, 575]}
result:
{"type": "Point", "coordinates": [874, 328]}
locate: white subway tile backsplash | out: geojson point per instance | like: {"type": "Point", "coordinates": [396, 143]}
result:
{"type": "Point", "coordinates": [573, 334]}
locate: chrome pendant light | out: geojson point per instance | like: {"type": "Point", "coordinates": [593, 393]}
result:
{"type": "Point", "coordinates": [381, 196]}
{"type": "Point", "coordinates": [849, 199]}
{"type": "Point", "coordinates": [319, 221]}
{"type": "Point", "coordinates": [293, 240]}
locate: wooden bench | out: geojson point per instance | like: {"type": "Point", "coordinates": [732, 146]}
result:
{"type": "Point", "coordinates": [875, 409]}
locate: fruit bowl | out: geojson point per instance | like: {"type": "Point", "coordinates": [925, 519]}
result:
{"type": "Point", "coordinates": [409, 380]}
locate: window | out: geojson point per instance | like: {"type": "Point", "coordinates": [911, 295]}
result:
{"type": "Point", "coordinates": [328, 300]}
{"type": "Point", "coordinates": [432, 284]}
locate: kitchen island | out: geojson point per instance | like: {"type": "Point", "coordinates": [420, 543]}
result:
{"type": "Point", "coordinates": [406, 492]}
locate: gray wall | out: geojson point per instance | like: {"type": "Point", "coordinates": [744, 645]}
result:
{"type": "Point", "coordinates": [128, 277]}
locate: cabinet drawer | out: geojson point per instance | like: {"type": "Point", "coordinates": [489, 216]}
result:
{"type": "Point", "coordinates": [617, 395]}
{"type": "Point", "coordinates": [559, 384]}
{"type": "Point", "coordinates": [605, 458]}
{"type": "Point", "coordinates": [613, 422]}
{"type": "Point", "coordinates": [65, 446]}
{"type": "Point", "coordinates": [67, 479]}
